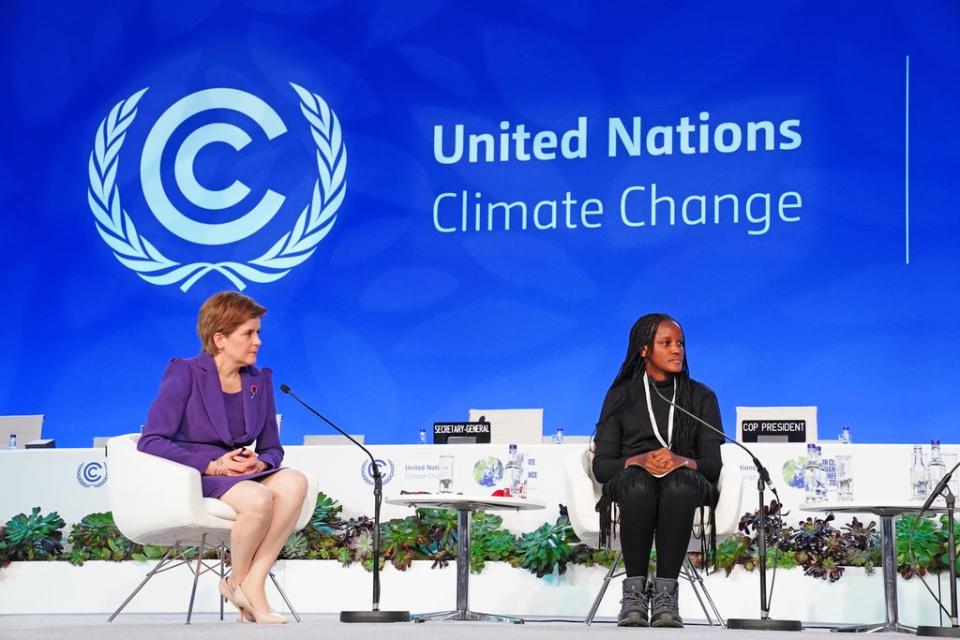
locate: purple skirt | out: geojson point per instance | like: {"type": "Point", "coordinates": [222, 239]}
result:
{"type": "Point", "coordinates": [216, 486]}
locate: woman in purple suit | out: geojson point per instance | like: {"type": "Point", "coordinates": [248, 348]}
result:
{"type": "Point", "coordinates": [209, 410]}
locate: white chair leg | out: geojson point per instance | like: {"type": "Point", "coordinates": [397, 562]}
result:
{"type": "Point", "coordinates": [160, 565]}
{"type": "Point", "coordinates": [284, 596]}
{"type": "Point", "coordinates": [698, 585]}
{"type": "Point", "coordinates": [196, 576]}
{"type": "Point", "coordinates": [222, 555]}
{"type": "Point", "coordinates": [688, 573]}
{"type": "Point", "coordinates": [603, 588]}
{"type": "Point", "coordinates": [178, 553]}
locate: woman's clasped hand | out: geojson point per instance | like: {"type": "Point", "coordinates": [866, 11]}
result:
{"type": "Point", "coordinates": [659, 462]}
{"type": "Point", "coordinates": [238, 462]}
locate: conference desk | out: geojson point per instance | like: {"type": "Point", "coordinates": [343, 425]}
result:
{"type": "Point", "coordinates": [74, 482]}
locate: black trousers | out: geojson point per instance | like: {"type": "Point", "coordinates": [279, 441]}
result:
{"type": "Point", "coordinates": [660, 509]}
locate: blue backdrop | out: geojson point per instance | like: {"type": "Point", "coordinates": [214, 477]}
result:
{"type": "Point", "coordinates": [412, 280]}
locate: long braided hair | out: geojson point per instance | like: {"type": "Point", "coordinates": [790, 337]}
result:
{"type": "Point", "coordinates": [630, 376]}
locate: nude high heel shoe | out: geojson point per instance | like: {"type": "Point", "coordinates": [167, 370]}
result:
{"type": "Point", "coordinates": [248, 612]}
{"type": "Point", "coordinates": [227, 591]}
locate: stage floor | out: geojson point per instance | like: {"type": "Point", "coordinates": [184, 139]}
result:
{"type": "Point", "coordinates": [170, 627]}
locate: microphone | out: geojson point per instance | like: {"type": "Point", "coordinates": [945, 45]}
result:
{"type": "Point", "coordinates": [937, 490]}
{"type": "Point", "coordinates": [375, 614]}
{"type": "Point", "coordinates": [761, 470]}
{"type": "Point", "coordinates": [374, 467]}
{"type": "Point", "coordinates": [765, 622]}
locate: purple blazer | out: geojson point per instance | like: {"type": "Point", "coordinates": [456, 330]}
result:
{"type": "Point", "coordinates": [187, 421]}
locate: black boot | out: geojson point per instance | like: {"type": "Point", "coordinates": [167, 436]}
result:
{"type": "Point", "coordinates": [666, 605]}
{"type": "Point", "coordinates": [635, 605]}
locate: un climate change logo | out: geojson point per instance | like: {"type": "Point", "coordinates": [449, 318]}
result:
{"type": "Point", "coordinates": [92, 474]}
{"type": "Point", "coordinates": [387, 470]}
{"type": "Point", "coordinates": [136, 252]}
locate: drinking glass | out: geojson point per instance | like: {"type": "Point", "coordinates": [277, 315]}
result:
{"type": "Point", "coordinates": [446, 474]}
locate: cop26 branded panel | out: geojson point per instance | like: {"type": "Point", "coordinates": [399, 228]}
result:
{"type": "Point", "coordinates": [525, 179]}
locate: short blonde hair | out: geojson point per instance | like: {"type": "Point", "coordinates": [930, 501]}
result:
{"type": "Point", "coordinates": [222, 313]}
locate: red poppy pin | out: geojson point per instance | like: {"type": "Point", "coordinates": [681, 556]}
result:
{"type": "Point", "coordinates": [253, 391]}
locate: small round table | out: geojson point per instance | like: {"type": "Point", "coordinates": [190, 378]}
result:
{"type": "Point", "coordinates": [887, 512]}
{"type": "Point", "coordinates": [465, 505]}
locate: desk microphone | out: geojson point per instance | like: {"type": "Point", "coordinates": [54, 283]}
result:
{"type": "Point", "coordinates": [765, 622]}
{"type": "Point", "coordinates": [375, 614]}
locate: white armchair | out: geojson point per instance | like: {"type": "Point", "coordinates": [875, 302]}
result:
{"type": "Point", "coordinates": [583, 493]}
{"type": "Point", "coordinates": [156, 501]}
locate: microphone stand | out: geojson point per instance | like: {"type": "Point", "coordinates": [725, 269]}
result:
{"type": "Point", "coordinates": [375, 614]}
{"type": "Point", "coordinates": [952, 631]}
{"type": "Point", "coordinates": [765, 622]}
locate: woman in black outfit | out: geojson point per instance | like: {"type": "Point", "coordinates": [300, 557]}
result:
{"type": "Point", "coordinates": [656, 464]}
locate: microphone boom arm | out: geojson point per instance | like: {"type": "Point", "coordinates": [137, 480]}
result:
{"type": "Point", "coordinates": [761, 470]}
{"type": "Point", "coordinates": [765, 621]}
{"type": "Point", "coordinates": [375, 470]}
{"type": "Point", "coordinates": [375, 614]}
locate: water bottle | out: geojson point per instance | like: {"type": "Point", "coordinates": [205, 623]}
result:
{"type": "Point", "coordinates": [936, 469]}
{"type": "Point", "coordinates": [845, 435]}
{"type": "Point", "coordinates": [821, 475]}
{"type": "Point", "coordinates": [530, 474]}
{"type": "Point", "coordinates": [918, 475]}
{"type": "Point", "coordinates": [422, 438]}
{"type": "Point", "coordinates": [809, 474]}
{"type": "Point", "coordinates": [558, 436]}
{"type": "Point", "coordinates": [515, 470]}
{"type": "Point", "coordinates": [13, 441]}
{"type": "Point", "coordinates": [844, 477]}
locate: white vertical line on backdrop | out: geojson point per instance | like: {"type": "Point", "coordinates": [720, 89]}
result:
{"type": "Point", "coordinates": [906, 165]}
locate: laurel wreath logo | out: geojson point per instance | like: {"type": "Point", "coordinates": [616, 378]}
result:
{"type": "Point", "coordinates": [92, 474]}
{"type": "Point", "coordinates": [135, 252]}
{"type": "Point", "coordinates": [387, 470]}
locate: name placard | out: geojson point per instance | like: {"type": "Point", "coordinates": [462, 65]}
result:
{"type": "Point", "coordinates": [762, 430]}
{"type": "Point", "coordinates": [461, 432]}
{"type": "Point", "coordinates": [777, 424]}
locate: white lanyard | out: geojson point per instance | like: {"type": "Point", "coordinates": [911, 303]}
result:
{"type": "Point", "coordinates": [653, 419]}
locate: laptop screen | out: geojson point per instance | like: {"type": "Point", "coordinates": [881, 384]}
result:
{"type": "Point", "coordinates": [26, 428]}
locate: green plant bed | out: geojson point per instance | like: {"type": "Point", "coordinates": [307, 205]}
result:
{"type": "Point", "coordinates": [824, 551]}
{"type": "Point", "coordinates": [820, 548]}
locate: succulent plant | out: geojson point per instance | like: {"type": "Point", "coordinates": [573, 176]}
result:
{"type": "Point", "coordinates": [326, 515]}
{"type": "Point", "coordinates": [547, 547]}
{"type": "Point", "coordinates": [296, 547]}
{"type": "Point", "coordinates": [96, 537]}
{"type": "Point", "coordinates": [400, 540]}
{"type": "Point", "coordinates": [919, 545]}
{"type": "Point", "coordinates": [33, 537]}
